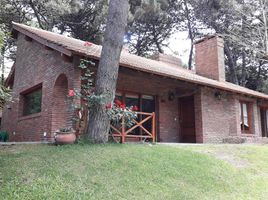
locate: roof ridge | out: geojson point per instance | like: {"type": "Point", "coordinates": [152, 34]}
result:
{"type": "Point", "coordinates": [132, 61]}
{"type": "Point", "coordinates": [42, 30]}
{"type": "Point", "coordinates": [78, 40]}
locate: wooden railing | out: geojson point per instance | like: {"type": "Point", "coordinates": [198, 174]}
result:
{"type": "Point", "coordinates": [124, 132]}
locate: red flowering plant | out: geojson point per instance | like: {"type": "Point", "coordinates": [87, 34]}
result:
{"type": "Point", "coordinates": [71, 93]}
{"type": "Point", "coordinates": [86, 93]}
{"type": "Point", "coordinates": [87, 44]}
{"type": "Point", "coordinates": [117, 110]}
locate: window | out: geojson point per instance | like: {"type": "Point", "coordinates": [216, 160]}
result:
{"type": "Point", "coordinates": [264, 121]}
{"type": "Point", "coordinates": [148, 103]}
{"type": "Point", "coordinates": [132, 99]}
{"type": "Point", "coordinates": [119, 96]}
{"type": "Point", "coordinates": [32, 102]}
{"type": "Point", "coordinates": [145, 103]}
{"type": "Point", "coordinates": [245, 117]}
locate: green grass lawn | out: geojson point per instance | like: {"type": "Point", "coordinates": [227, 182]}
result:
{"type": "Point", "coordinates": [116, 171]}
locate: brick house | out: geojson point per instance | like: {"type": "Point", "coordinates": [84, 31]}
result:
{"type": "Point", "coordinates": [191, 106]}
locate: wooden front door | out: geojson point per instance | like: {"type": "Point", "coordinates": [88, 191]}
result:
{"type": "Point", "coordinates": [187, 120]}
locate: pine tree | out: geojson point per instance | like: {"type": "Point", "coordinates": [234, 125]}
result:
{"type": "Point", "coordinates": [106, 79]}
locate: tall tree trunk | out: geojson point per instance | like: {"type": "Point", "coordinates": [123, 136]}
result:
{"type": "Point", "coordinates": [259, 86]}
{"type": "Point", "coordinates": [31, 3]}
{"type": "Point", "coordinates": [190, 60]}
{"type": "Point", "coordinates": [231, 63]}
{"type": "Point", "coordinates": [160, 50]}
{"type": "Point", "coordinates": [2, 64]}
{"type": "Point", "coordinates": [191, 35]}
{"type": "Point", "coordinates": [99, 124]}
{"type": "Point", "coordinates": [244, 72]}
{"type": "Point", "coordinates": [263, 4]}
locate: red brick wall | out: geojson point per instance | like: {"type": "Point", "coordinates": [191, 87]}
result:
{"type": "Point", "coordinates": [209, 58]}
{"type": "Point", "coordinates": [198, 117]}
{"type": "Point", "coordinates": [215, 119]}
{"type": "Point", "coordinates": [60, 105]}
{"type": "Point", "coordinates": [221, 117]}
{"type": "Point", "coordinates": [168, 120]}
{"type": "Point", "coordinates": [34, 65]}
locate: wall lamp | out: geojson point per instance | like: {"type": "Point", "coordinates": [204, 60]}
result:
{"type": "Point", "coordinates": [171, 96]}
{"type": "Point", "coordinates": [217, 95]}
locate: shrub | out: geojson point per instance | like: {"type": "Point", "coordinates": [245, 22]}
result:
{"type": "Point", "coordinates": [5, 95]}
{"type": "Point", "coordinates": [117, 111]}
{"type": "Point", "coordinates": [4, 136]}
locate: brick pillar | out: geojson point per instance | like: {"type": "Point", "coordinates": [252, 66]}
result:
{"type": "Point", "coordinates": [60, 110]}
{"type": "Point", "coordinates": [209, 58]}
{"type": "Point", "coordinates": [198, 117]}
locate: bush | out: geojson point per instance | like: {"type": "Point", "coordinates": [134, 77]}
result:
{"type": "Point", "coordinates": [4, 136]}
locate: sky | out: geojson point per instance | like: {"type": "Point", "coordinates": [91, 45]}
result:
{"type": "Point", "coordinates": [180, 44]}
{"type": "Point", "coordinates": [8, 65]}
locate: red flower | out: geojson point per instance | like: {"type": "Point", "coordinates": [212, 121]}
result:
{"type": "Point", "coordinates": [135, 108]}
{"type": "Point", "coordinates": [71, 93]}
{"type": "Point", "coordinates": [109, 106]}
{"type": "Point", "coordinates": [118, 103]}
{"type": "Point", "coordinates": [87, 44]}
{"type": "Point", "coordinates": [123, 106]}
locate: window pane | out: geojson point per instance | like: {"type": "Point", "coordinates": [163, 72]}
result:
{"type": "Point", "coordinates": [241, 117]}
{"type": "Point", "coordinates": [119, 96]}
{"type": "Point", "coordinates": [132, 100]}
{"type": "Point", "coordinates": [245, 123]}
{"type": "Point", "coordinates": [245, 110]}
{"type": "Point", "coordinates": [148, 105]}
{"type": "Point", "coordinates": [148, 97]}
{"type": "Point", "coordinates": [266, 112]}
{"type": "Point", "coordinates": [245, 114]}
{"type": "Point", "coordinates": [32, 102]}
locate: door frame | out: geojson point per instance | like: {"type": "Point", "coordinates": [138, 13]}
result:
{"type": "Point", "coordinates": [264, 124]}
{"type": "Point", "coordinates": [192, 97]}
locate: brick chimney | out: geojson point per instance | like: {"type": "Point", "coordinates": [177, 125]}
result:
{"type": "Point", "coordinates": [209, 58]}
{"type": "Point", "coordinates": [172, 60]}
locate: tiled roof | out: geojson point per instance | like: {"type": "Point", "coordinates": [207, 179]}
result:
{"type": "Point", "coordinates": [73, 46]}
